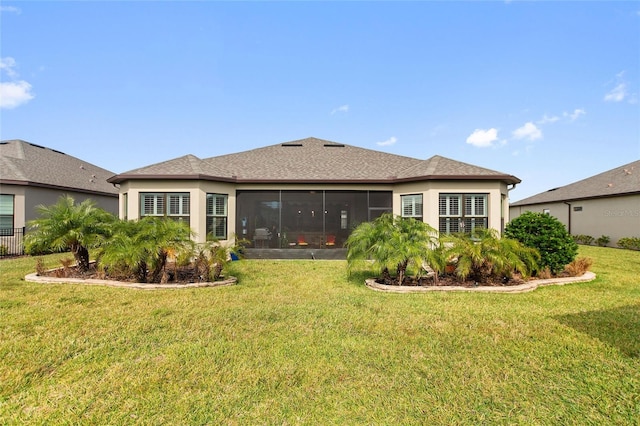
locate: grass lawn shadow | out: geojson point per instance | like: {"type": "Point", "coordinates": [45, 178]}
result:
{"type": "Point", "coordinates": [616, 327]}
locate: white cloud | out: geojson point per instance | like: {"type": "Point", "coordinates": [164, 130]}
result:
{"type": "Point", "coordinates": [11, 9]}
{"type": "Point", "coordinates": [16, 92]}
{"type": "Point", "coordinates": [483, 138]}
{"type": "Point", "coordinates": [548, 119]}
{"type": "Point", "coordinates": [7, 65]}
{"type": "Point", "coordinates": [617, 94]}
{"type": "Point", "coordinates": [620, 91]}
{"type": "Point", "coordinates": [529, 131]}
{"type": "Point", "coordinates": [575, 114]}
{"type": "Point", "coordinates": [392, 140]}
{"type": "Point", "coordinates": [343, 108]}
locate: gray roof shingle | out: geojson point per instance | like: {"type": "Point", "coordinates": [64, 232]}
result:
{"type": "Point", "coordinates": [622, 180]}
{"type": "Point", "coordinates": [24, 163]}
{"type": "Point", "coordinates": [312, 160]}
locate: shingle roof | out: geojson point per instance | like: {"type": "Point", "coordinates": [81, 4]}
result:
{"type": "Point", "coordinates": [622, 180]}
{"type": "Point", "coordinates": [312, 160]}
{"type": "Point", "coordinates": [24, 163]}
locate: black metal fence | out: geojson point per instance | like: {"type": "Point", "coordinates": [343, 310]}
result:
{"type": "Point", "coordinates": [12, 242]}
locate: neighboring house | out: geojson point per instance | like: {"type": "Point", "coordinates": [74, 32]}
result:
{"type": "Point", "coordinates": [605, 204]}
{"type": "Point", "coordinates": [310, 193]}
{"type": "Point", "coordinates": [32, 175]}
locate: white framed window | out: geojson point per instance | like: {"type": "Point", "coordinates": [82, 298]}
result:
{"type": "Point", "coordinates": [450, 213]}
{"type": "Point", "coordinates": [412, 206]}
{"type": "Point", "coordinates": [178, 204]}
{"type": "Point", "coordinates": [463, 212]}
{"type": "Point", "coordinates": [217, 216]}
{"type": "Point", "coordinates": [7, 202]}
{"type": "Point", "coordinates": [175, 205]}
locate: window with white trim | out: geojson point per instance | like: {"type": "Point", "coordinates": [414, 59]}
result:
{"type": "Point", "coordinates": [175, 205]}
{"type": "Point", "coordinates": [412, 206]}
{"type": "Point", "coordinates": [217, 216]}
{"type": "Point", "coordinates": [462, 212]}
{"type": "Point", "coordinates": [6, 214]}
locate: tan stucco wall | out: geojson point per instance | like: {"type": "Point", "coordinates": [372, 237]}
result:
{"type": "Point", "coordinates": [198, 195]}
{"type": "Point", "coordinates": [431, 191]}
{"type": "Point", "coordinates": [615, 217]}
{"type": "Point", "coordinates": [198, 190]}
{"type": "Point", "coordinates": [558, 210]}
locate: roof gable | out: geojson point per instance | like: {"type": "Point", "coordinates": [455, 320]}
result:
{"type": "Point", "coordinates": [312, 160]}
{"type": "Point", "coordinates": [619, 181]}
{"type": "Point", "coordinates": [25, 163]}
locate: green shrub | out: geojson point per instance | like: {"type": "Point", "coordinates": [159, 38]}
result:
{"type": "Point", "coordinates": [629, 243]}
{"type": "Point", "coordinates": [547, 234]}
{"type": "Point", "coordinates": [583, 239]}
{"type": "Point", "coordinates": [484, 255]}
{"type": "Point", "coordinates": [4, 250]}
{"type": "Point", "coordinates": [603, 240]}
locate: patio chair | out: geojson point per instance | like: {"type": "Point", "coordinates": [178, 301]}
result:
{"type": "Point", "coordinates": [331, 240]}
{"type": "Point", "coordinates": [261, 235]}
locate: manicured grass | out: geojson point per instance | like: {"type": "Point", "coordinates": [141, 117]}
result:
{"type": "Point", "coordinates": [300, 342]}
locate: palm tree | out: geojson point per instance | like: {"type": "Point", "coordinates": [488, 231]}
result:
{"type": "Point", "coordinates": [393, 242]}
{"type": "Point", "coordinates": [142, 246]}
{"type": "Point", "coordinates": [484, 254]}
{"type": "Point", "coordinates": [67, 225]}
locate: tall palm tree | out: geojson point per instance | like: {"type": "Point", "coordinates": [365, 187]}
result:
{"type": "Point", "coordinates": [394, 243]}
{"type": "Point", "coordinates": [67, 225]}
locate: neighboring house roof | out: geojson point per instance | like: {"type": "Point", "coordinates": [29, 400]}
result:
{"type": "Point", "coordinates": [312, 160]}
{"type": "Point", "coordinates": [623, 180]}
{"type": "Point", "coordinates": [24, 163]}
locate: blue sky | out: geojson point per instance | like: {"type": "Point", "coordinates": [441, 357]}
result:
{"type": "Point", "coordinates": [546, 91]}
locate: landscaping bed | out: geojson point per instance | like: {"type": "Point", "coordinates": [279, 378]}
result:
{"type": "Point", "coordinates": [176, 277]}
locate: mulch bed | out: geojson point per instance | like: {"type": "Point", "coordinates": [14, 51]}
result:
{"type": "Point", "coordinates": [451, 280]}
{"type": "Point", "coordinates": [174, 275]}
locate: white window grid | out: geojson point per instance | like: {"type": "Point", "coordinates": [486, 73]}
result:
{"type": "Point", "coordinates": [412, 205]}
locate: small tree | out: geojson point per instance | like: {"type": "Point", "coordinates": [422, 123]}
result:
{"type": "Point", "coordinates": [547, 234]}
{"type": "Point", "coordinates": [394, 243]}
{"type": "Point", "coordinates": [67, 225]}
{"type": "Point", "coordinates": [210, 258]}
{"type": "Point", "coordinates": [484, 254]}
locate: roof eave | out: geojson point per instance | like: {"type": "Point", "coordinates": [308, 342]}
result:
{"type": "Point", "coordinates": [504, 178]}
{"type": "Point", "coordinates": [57, 187]}
{"type": "Point", "coordinates": [562, 200]}
{"type": "Point", "coordinates": [117, 179]}
{"type": "Point", "coordinates": [234, 179]}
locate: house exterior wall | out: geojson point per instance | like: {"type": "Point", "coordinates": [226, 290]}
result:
{"type": "Point", "coordinates": [198, 190]}
{"type": "Point", "coordinates": [35, 196]}
{"type": "Point", "coordinates": [497, 198]}
{"type": "Point", "coordinates": [615, 217]}
{"type": "Point", "coordinates": [198, 197]}
{"type": "Point", "coordinates": [559, 210]}
{"type": "Point", "coordinates": [28, 197]}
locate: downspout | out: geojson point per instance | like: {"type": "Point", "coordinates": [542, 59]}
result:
{"type": "Point", "coordinates": [568, 217]}
{"type": "Point", "coordinates": [508, 207]}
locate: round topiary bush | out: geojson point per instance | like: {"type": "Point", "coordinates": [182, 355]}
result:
{"type": "Point", "coordinates": [547, 234]}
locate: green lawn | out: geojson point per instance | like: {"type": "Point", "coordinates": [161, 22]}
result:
{"type": "Point", "coordinates": [300, 342]}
